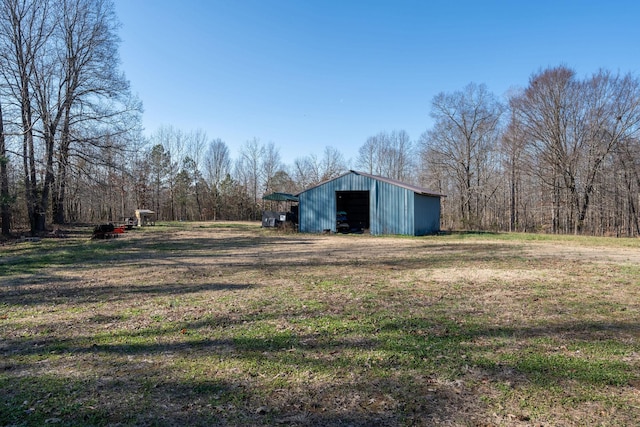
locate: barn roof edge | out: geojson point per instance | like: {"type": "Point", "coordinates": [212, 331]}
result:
{"type": "Point", "coordinates": [414, 188]}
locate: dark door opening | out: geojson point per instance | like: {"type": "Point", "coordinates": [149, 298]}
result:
{"type": "Point", "coordinates": [352, 214]}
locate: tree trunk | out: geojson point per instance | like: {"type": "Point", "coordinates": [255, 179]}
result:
{"type": "Point", "coordinates": [5, 200]}
{"type": "Point", "coordinates": [60, 189]}
{"type": "Point", "coordinates": [29, 164]}
{"type": "Point", "coordinates": [49, 178]}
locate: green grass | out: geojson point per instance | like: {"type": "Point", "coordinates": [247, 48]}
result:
{"type": "Point", "coordinates": [552, 238]}
{"type": "Point", "coordinates": [226, 324]}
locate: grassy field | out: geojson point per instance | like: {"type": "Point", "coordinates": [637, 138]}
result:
{"type": "Point", "coordinates": [230, 324]}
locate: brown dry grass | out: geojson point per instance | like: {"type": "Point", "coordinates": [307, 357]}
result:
{"type": "Point", "coordinates": [229, 324]}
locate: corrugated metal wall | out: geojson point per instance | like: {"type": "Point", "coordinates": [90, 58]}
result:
{"type": "Point", "coordinates": [393, 209]}
{"type": "Point", "coordinates": [427, 214]}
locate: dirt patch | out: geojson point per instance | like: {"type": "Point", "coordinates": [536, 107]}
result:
{"type": "Point", "coordinates": [577, 252]}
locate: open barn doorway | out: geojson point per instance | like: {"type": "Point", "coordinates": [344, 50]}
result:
{"type": "Point", "coordinates": [352, 211]}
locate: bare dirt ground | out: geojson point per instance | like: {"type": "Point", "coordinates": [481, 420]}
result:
{"type": "Point", "coordinates": [230, 324]}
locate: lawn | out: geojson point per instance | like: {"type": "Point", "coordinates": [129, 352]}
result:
{"type": "Point", "coordinates": [230, 324]}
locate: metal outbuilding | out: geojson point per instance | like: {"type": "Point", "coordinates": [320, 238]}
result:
{"type": "Point", "coordinates": [360, 202]}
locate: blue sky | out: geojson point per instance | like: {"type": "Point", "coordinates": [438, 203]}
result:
{"type": "Point", "coordinates": [310, 74]}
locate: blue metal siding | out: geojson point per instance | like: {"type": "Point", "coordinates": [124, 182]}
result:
{"type": "Point", "coordinates": [392, 209]}
{"type": "Point", "coordinates": [427, 214]}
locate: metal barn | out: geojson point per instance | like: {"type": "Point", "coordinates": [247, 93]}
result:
{"type": "Point", "coordinates": [360, 202]}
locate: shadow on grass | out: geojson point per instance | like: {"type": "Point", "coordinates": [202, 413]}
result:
{"type": "Point", "coordinates": [58, 291]}
{"type": "Point", "coordinates": [111, 253]}
{"type": "Point", "coordinates": [421, 343]}
{"type": "Point", "coordinates": [122, 400]}
{"type": "Point", "coordinates": [242, 252]}
{"type": "Point", "coordinates": [385, 371]}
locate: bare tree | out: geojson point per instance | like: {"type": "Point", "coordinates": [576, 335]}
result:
{"type": "Point", "coordinates": [86, 74]}
{"type": "Point", "coordinates": [174, 142]}
{"type": "Point", "coordinates": [369, 155]}
{"type": "Point", "coordinates": [197, 142]}
{"type": "Point", "coordinates": [5, 198]}
{"type": "Point", "coordinates": [306, 171]}
{"type": "Point", "coordinates": [159, 161]}
{"type": "Point", "coordinates": [270, 165]}
{"type": "Point", "coordinates": [24, 32]}
{"type": "Point", "coordinates": [388, 154]}
{"type": "Point", "coordinates": [217, 168]}
{"type": "Point", "coordinates": [628, 160]}
{"type": "Point", "coordinates": [217, 162]}
{"type": "Point", "coordinates": [250, 173]}
{"type": "Point", "coordinates": [399, 155]}
{"type": "Point", "coordinates": [196, 146]}
{"type": "Point", "coordinates": [139, 175]}
{"type": "Point", "coordinates": [186, 191]}
{"type": "Point", "coordinates": [572, 127]}
{"type": "Point", "coordinates": [332, 164]}
{"type": "Point", "coordinates": [462, 142]}
{"type": "Point", "coordinates": [59, 63]}
{"type": "Point", "coordinates": [311, 170]}
{"type": "Point", "coordinates": [513, 152]}
{"type": "Point", "coordinates": [612, 115]}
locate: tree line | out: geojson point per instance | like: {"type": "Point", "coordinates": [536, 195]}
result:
{"type": "Point", "coordinates": [561, 155]}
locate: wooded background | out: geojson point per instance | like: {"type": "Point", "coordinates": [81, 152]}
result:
{"type": "Point", "coordinates": [561, 155]}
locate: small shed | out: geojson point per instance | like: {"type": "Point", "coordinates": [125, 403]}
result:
{"type": "Point", "coordinates": [360, 202]}
{"type": "Point", "coordinates": [145, 217]}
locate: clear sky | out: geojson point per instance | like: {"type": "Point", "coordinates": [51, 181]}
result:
{"type": "Point", "coordinates": [305, 74]}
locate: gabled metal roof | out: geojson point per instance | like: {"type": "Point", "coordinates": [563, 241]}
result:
{"type": "Point", "coordinates": [281, 197]}
{"type": "Point", "coordinates": [414, 188]}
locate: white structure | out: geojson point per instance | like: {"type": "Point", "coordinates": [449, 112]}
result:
{"type": "Point", "coordinates": [145, 217]}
